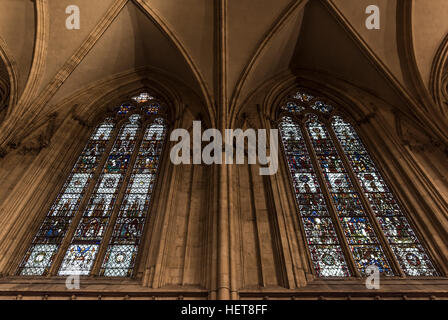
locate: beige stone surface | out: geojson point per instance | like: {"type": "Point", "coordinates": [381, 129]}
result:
{"type": "Point", "coordinates": [222, 232]}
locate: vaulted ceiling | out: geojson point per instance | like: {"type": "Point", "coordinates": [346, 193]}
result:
{"type": "Point", "coordinates": [263, 39]}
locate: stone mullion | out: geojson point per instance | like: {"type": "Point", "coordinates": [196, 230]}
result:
{"type": "Point", "coordinates": [116, 209]}
{"type": "Point", "coordinates": [365, 203]}
{"type": "Point", "coordinates": [84, 202]}
{"type": "Point", "coordinates": [331, 209]}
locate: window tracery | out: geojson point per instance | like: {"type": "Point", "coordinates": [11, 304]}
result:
{"type": "Point", "coordinates": [105, 219]}
{"type": "Point", "coordinates": [349, 208]}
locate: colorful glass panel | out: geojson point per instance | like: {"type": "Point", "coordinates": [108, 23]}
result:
{"type": "Point", "coordinates": [327, 257]}
{"type": "Point", "coordinates": [84, 246]}
{"type": "Point", "coordinates": [404, 243]}
{"type": "Point", "coordinates": [153, 108]}
{"type": "Point", "coordinates": [304, 97]}
{"type": "Point", "coordinates": [125, 108]}
{"type": "Point", "coordinates": [127, 233]}
{"type": "Point", "coordinates": [355, 223]}
{"type": "Point", "coordinates": [322, 107]}
{"type": "Point", "coordinates": [142, 97]}
{"type": "Point", "coordinates": [45, 245]}
{"type": "Point", "coordinates": [293, 107]}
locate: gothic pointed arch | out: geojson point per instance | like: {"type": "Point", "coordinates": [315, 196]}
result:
{"type": "Point", "coordinates": [97, 221]}
{"type": "Point", "coordinates": [350, 217]}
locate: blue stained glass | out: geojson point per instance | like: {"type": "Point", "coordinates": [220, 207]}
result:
{"type": "Point", "coordinates": [153, 108]}
{"type": "Point", "coordinates": [125, 108]}
{"type": "Point", "coordinates": [124, 243]}
{"type": "Point", "coordinates": [48, 239]}
{"type": "Point", "coordinates": [293, 107]}
{"type": "Point", "coordinates": [81, 259]}
{"type": "Point", "coordinates": [322, 107]}
{"type": "Point", "coordinates": [407, 249]}
{"type": "Point", "coordinates": [357, 230]}
{"type": "Point", "coordinates": [368, 255]}
{"type": "Point", "coordinates": [326, 255]}
{"type": "Point", "coordinates": [360, 235]}
{"type": "Point", "coordinates": [302, 96]}
{"type": "Point", "coordinates": [89, 233]}
{"type": "Point", "coordinates": [362, 238]}
{"type": "Point", "coordinates": [128, 228]}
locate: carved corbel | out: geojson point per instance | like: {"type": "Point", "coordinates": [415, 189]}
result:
{"type": "Point", "coordinates": [42, 139]}
{"type": "Point", "coordinates": [77, 117]}
{"type": "Point", "coordinates": [12, 144]}
{"type": "Point", "coordinates": [84, 120]}
{"type": "Point", "coordinates": [415, 139]}
{"type": "Point", "coordinates": [81, 120]}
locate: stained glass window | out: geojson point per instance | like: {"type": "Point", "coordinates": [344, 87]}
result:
{"type": "Point", "coordinates": [125, 108]}
{"type": "Point", "coordinates": [357, 228]}
{"type": "Point", "coordinates": [143, 97]}
{"type": "Point", "coordinates": [293, 107]}
{"type": "Point", "coordinates": [123, 246]}
{"type": "Point", "coordinates": [407, 248]}
{"type": "Point", "coordinates": [323, 243]}
{"type": "Point", "coordinates": [352, 189]}
{"type": "Point", "coordinates": [110, 212]}
{"type": "Point", "coordinates": [302, 96]}
{"type": "Point", "coordinates": [322, 107]}
{"type": "Point", "coordinates": [153, 108]}
{"type": "Point", "coordinates": [302, 100]}
{"type": "Point", "coordinates": [52, 231]}
{"type": "Point", "coordinates": [84, 246]}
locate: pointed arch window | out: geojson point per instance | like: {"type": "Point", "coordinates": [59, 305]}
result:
{"type": "Point", "coordinates": [350, 217]}
{"type": "Point", "coordinates": [95, 225]}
